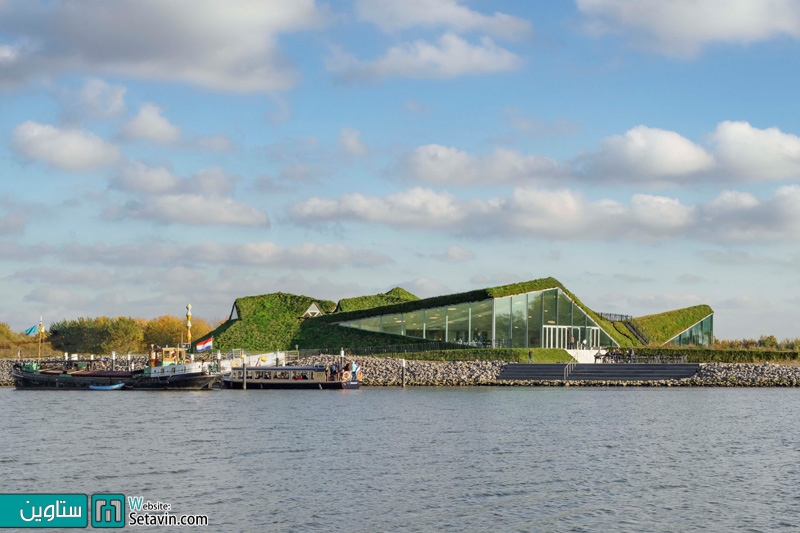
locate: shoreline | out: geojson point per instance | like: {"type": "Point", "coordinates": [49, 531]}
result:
{"type": "Point", "coordinates": [387, 372]}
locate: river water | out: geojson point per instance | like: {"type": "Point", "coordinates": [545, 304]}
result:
{"type": "Point", "coordinates": [421, 459]}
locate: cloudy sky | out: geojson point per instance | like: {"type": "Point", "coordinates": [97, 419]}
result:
{"type": "Point", "coordinates": [644, 152]}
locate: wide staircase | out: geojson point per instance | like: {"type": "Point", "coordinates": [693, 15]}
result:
{"type": "Point", "coordinates": [599, 372]}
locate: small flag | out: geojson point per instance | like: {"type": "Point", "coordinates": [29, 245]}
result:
{"type": "Point", "coordinates": [203, 346]}
{"type": "Point", "coordinates": [32, 330]}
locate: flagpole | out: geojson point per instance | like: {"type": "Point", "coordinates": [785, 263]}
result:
{"type": "Point", "coordinates": [41, 329]}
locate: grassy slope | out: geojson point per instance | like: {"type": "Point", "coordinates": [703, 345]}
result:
{"type": "Point", "coordinates": [663, 326]}
{"type": "Point", "coordinates": [266, 322]}
{"type": "Point", "coordinates": [394, 296]}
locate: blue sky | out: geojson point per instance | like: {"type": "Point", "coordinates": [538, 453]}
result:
{"type": "Point", "coordinates": [645, 153]}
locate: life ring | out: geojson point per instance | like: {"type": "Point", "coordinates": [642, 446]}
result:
{"type": "Point", "coordinates": [346, 375]}
{"type": "Point", "coordinates": [360, 375]}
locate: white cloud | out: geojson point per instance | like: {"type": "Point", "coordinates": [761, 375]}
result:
{"type": "Point", "coordinates": [351, 143]}
{"type": "Point", "coordinates": [451, 57]}
{"type": "Point", "coordinates": [135, 176]}
{"type": "Point", "coordinates": [227, 46]}
{"type": "Point", "coordinates": [434, 163]}
{"type": "Point", "coordinates": [302, 256]}
{"type": "Point", "coordinates": [564, 214]}
{"type": "Point", "coordinates": [753, 154]}
{"type": "Point", "coordinates": [455, 254]}
{"type": "Point", "coordinates": [425, 287]}
{"type": "Point", "coordinates": [149, 125]}
{"type": "Point", "coordinates": [100, 99]}
{"type": "Point", "coordinates": [417, 207]}
{"type": "Point", "coordinates": [191, 209]}
{"type": "Point", "coordinates": [392, 15]}
{"type": "Point", "coordinates": [68, 149]}
{"type": "Point", "coordinates": [646, 154]}
{"type": "Point", "coordinates": [684, 27]}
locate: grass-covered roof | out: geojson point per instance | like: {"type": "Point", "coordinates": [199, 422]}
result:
{"type": "Point", "coordinates": [273, 321]}
{"type": "Point", "coordinates": [394, 296]}
{"type": "Point", "coordinates": [663, 326]}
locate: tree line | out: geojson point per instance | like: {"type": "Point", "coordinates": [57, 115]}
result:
{"type": "Point", "coordinates": [765, 342]}
{"type": "Point", "coordinates": [102, 335]}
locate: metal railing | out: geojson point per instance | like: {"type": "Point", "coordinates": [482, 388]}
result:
{"type": "Point", "coordinates": [569, 368]}
{"type": "Point", "coordinates": [638, 331]}
{"type": "Point", "coordinates": [614, 317]}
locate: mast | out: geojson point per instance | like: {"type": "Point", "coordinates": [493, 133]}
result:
{"type": "Point", "coordinates": [189, 325]}
{"type": "Point", "coordinates": [41, 332]}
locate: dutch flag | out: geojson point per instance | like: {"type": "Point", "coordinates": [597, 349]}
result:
{"type": "Point", "coordinates": [204, 346]}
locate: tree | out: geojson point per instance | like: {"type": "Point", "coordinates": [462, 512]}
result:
{"type": "Point", "coordinates": [96, 335]}
{"type": "Point", "coordinates": [166, 330]}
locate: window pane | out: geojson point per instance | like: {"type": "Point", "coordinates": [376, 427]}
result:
{"type": "Point", "coordinates": [371, 324]}
{"type": "Point", "coordinates": [549, 301]}
{"type": "Point", "coordinates": [482, 323]}
{"type": "Point", "coordinates": [502, 311]}
{"type": "Point", "coordinates": [393, 324]}
{"type": "Point", "coordinates": [535, 320]}
{"type": "Point", "coordinates": [435, 320]}
{"type": "Point", "coordinates": [519, 314]}
{"type": "Point", "coordinates": [413, 324]}
{"type": "Point", "coordinates": [458, 323]}
{"type": "Point", "coordinates": [564, 310]}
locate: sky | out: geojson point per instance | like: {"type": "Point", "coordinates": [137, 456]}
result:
{"type": "Point", "coordinates": [646, 153]}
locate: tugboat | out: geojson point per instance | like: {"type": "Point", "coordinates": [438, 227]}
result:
{"type": "Point", "coordinates": [338, 376]}
{"type": "Point", "coordinates": [171, 369]}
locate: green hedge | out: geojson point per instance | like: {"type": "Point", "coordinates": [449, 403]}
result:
{"type": "Point", "coordinates": [663, 326]}
{"type": "Point", "coordinates": [710, 355]}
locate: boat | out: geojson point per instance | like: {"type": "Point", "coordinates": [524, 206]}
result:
{"type": "Point", "coordinates": [172, 369]}
{"type": "Point", "coordinates": [115, 386]}
{"type": "Point", "coordinates": [294, 377]}
{"type": "Point", "coordinates": [69, 375]}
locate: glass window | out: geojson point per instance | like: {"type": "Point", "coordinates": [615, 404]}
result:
{"type": "Point", "coordinates": [435, 323]}
{"type": "Point", "coordinates": [502, 322]}
{"type": "Point", "coordinates": [564, 309]}
{"type": "Point", "coordinates": [549, 298]}
{"type": "Point", "coordinates": [393, 324]}
{"type": "Point", "coordinates": [519, 315]}
{"type": "Point", "coordinates": [535, 320]}
{"type": "Point", "coordinates": [482, 323]}
{"type": "Point", "coordinates": [352, 324]}
{"type": "Point", "coordinates": [371, 324]}
{"type": "Point", "coordinates": [458, 323]}
{"type": "Point", "coordinates": [413, 324]}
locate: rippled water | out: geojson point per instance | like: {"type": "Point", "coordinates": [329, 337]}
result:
{"type": "Point", "coordinates": [422, 459]}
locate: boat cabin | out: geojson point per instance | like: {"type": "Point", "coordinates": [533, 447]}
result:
{"type": "Point", "coordinates": [168, 356]}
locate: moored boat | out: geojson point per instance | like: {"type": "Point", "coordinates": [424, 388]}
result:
{"type": "Point", "coordinates": [69, 375]}
{"type": "Point", "coordinates": [294, 377]}
{"type": "Point", "coordinates": [173, 369]}
{"type": "Point", "coordinates": [116, 386]}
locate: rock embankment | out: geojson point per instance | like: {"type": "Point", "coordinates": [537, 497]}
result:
{"type": "Point", "coordinates": [382, 371]}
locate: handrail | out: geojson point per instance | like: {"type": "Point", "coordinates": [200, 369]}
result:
{"type": "Point", "coordinates": [637, 329]}
{"type": "Point", "coordinates": [568, 369]}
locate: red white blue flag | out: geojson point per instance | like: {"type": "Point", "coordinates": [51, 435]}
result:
{"type": "Point", "coordinates": [203, 346]}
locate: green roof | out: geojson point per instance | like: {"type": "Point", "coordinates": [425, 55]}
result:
{"type": "Point", "coordinates": [273, 321]}
{"type": "Point", "coordinates": [394, 296]}
{"type": "Point", "coordinates": [663, 326]}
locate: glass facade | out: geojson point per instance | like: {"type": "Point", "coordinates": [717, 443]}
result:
{"type": "Point", "coordinates": [542, 319]}
{"type": "Point", "coordinates": [701, 334]}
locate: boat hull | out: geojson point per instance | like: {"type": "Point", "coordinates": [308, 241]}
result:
{"type": "Point", "coordinates": [38, 381]}
{"type": "Point", "coordinates": [299, 384]}
{"type": "Point", "coordinates": [174, 382]}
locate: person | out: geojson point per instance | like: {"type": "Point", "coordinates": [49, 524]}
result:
{"type": "Point", "coordinates": [583, 344]}
{"type": "Point", "coordinates": [571, 340]}
{"type": "Point", "coordinates": [530, 356]}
